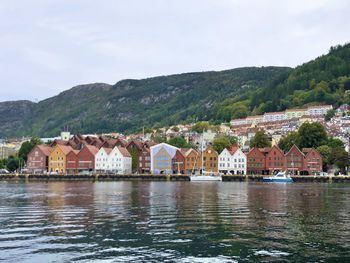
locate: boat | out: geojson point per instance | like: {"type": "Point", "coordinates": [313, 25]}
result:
{"type": "Point", "coordinates": [203, 177]}
{"type": "Point", "coordinates": [280, 177]}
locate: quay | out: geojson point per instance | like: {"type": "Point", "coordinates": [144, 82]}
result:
{"type": "Point", "coordinates": [160, 177]}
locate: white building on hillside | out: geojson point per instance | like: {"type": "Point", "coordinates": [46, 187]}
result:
{"type": "Point", "coordinates": [233, 161]}
{"type": "Point", "coordinates": [116, 160]}
{"type": "Point", "coordinates": [318, 110]}
{"type": "Point", "coordinates": [274, 116]}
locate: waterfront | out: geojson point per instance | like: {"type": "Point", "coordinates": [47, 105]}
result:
{"type": "Point", "coordinates": [174, 221]}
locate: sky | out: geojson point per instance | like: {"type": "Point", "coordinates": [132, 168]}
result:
{"type": "Point", "coordinates": [48, 46]}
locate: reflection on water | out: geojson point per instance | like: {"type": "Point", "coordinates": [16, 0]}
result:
{"type": "Point", "coordinates": [174, 221]}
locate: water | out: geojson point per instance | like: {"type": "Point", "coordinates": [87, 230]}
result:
{"type": "Point", "coordinates": [174, 222]}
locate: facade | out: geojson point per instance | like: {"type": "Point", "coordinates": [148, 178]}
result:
{"type": "Point", "coordinates": [295, 113]}
{"type": "Point", "coordinates": [233, 161]}
{"type": "Point", "coordinates": [161, 158]}
{"type": "Point", "coordinates": [72, 162]}
{"type": "Point", "coordinates": [312, 161]}
{"type": "Point", "coordinates": [256, 161]}
{"type": "Point", "coordinates": [275, 160]}
{"type": "Point", "coordinates": [117, 160]}
{"type": "Point", "coordinates": [319, 110]}
{"type": "Point", "coordinates": [86, 158]}
{"type": "Point", "coordinates": [37, 159]}
{"type": "Point", "coordinates": [210, 160]}
{"type": "Point", "coordinates": [274, 116]}
{"type": "Point", "coordinates": [57, 159]}
{"type": "Point", "coordinates": [144, 162]}
{"type": "Point", "coordinates": [135, 149]}
{"type": "Point", "coordinates": [193, 163]}
{"type": "Point", "coordinates": [178, 162]}
{"type": "Point", "coordinates": [294, 161]}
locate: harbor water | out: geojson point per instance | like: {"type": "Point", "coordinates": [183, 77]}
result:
{"type": "Point", "coordinates": [141, 221]}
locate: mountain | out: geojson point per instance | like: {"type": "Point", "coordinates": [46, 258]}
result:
{"type": "Point", "coordinates": [219, 96]}
{"type": "Point", "coordinates": [131, 104]}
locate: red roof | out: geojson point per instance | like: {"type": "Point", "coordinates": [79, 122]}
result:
{"type": "Point", "coordinates": [44, 149]}
{"type": "Point", "coordinates": [65, 149]}
{"type": "Point", "coordinates": [124, 151]}
{"type": "Point", "coordinates": [92, 149]}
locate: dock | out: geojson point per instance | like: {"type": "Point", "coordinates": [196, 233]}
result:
{"type": "Point", "coordinates": [160, 177]}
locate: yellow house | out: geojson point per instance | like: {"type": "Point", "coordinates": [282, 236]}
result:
{"type": "Point", "coordinates": [58, 159]}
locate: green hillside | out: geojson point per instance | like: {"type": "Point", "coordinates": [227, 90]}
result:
{"type": "Point", "coordinates": [216, 96]}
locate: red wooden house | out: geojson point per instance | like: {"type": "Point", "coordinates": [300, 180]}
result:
{"type": "Point", "coordinates": [294, 161]}
{"type": "Point", "coordinates": [86, 158]}
{"type": "Point", "coordinates": [37, 159]}
{"type": "Point", "coordinates": [312, 161]}
{"type": "Point", "coordinates": [178, 162]}
{"type": "Point", "coordinates": [72, 162]}
{"type": "Point", "coordinates": [275, 160]}
{"type": "Point", "coordinates": [256, 162]}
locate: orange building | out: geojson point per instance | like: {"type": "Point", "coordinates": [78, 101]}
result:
{"type": "Point", "coordinates": [58, 159]}
{"type": "Point", "coordinates": [193, 161]}
{"type": "Point", "coordinates": [210, 160]}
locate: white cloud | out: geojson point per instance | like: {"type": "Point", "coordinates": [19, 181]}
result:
{"type": "Point", "coordinates": [50, 46]}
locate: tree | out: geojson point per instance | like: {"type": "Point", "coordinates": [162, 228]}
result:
{"type": "Point", "coordinates": [335, 143]}
{"type": "Point", "coordinates": [179, 142]}
{"type": "Point", "coordinates": [325, 152]}
{"type": "Point", "coordinates": [288, 141]}
{"type": "Point", "coordinates": [260, 140]}
{"type": "Point", "coordinates": [340, 158]}
{"type": "Point", "coordinates": [3, 163]}
{"type": "Point", "coordinates": [201, 126]}
{"type": "Point", "coordinates": [223, 141]}
{"type": "Point", "coordinates": [26, 147]}
{"type": "Point", "coordinates": [330, 114]}
{"type": "Point", "coordinates": [175, 129]}
{"type": "Point", "coordinates": [312, 135]}
{"type": "Point", "coordinates": [12, 163]}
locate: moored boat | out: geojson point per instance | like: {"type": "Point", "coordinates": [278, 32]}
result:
{"type": "Point", "coordinates": [280, 177]}
{"type": "Point", "coordinates": [209, 177]}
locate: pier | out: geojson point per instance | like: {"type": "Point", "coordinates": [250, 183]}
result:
{"type": "Point", "coordinates": [160, 177]}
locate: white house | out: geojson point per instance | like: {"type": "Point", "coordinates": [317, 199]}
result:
{"type": "Point", "coordinates": [116, 160]}
{"type": "Point", "coordinates": [233, 161]}
{"type": "Point", "coordinates": [161, 158]}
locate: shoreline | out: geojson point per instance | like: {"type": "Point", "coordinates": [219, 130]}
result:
{"type": "Point", "coordinates": [162, 177]}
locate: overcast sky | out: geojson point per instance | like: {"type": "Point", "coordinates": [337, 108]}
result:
{"type": "Point", "coordinates": [47, 46]}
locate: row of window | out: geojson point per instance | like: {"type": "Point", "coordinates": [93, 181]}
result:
{"type": "Point", "coordinates": [229, 159]}
{"type": "Point", "coordinates": [235, 165]}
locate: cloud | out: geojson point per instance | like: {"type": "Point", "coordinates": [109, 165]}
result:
{"type": "Point", "coordinates": [50, 46]}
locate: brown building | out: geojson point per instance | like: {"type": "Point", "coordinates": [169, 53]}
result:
{"type": "Point", "coordinates": [312, 161]}
{"type": "Point", "coordinates": [294, 161]}
{"type": "Point", "coordinates": [210, 160]}
{"type": "Point", "coordinates": [275, 160]}
{"type": "Point", "coordinates": [37, 159]}
{"type": "Point", "coordinates": [256, 161]}
{"type": "Point", "coordinates": [86, 158]}
{"type": "Point", "coordinates": [72, 162]}
{"type": "Point", "coordinates": [193, 162]}
{"type": "Point", "coordinates": [178, 162]}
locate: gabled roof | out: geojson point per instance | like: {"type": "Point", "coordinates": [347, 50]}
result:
{"type": "Point", "coordinates": [277, 148]}
{"type": "Point", "coordinates": [294, 147]}
{"type": "Point", "coordinates": [138, 144]}
{"type": "Point", "coordinates": [124, 151]}
{"type": "Point", "coordinates": [65, 149]}
{"type": "Point", "coordinates": [92, 149]}
{"type": "Point", "coordinates": [44, 149]}
{"type": "Point", "coordinates": [189, 151]}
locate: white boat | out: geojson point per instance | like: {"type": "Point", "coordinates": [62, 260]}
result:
{"type": "Point", "coordinates": [211, 177]}
{"type": "Point", "coordinates": [280, 177]}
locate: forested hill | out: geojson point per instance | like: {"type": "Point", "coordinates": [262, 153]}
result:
{"type": "Point", "coordinates": [323, 80]}
{"type": "Point", "coordinates": [217, 96]}
{"type": "Point", "coordinates": [131, 104]}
